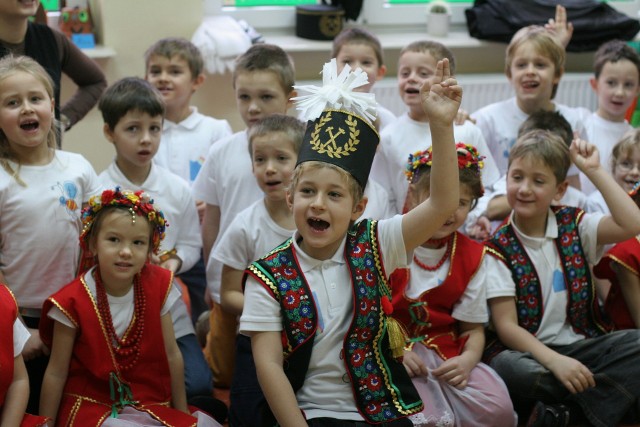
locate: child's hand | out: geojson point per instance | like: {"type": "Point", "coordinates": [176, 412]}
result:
{"type": "Point", "coordinates": [481, 229]}
{"type": "Point", "coordinates": [414, 365]}
{"type": "Point", "coordinates": [559, 27]}
{"type": "Point", "coordinates": [463, 116]}
{"type": "Point", "coordinates": [572, 374]}
{"type": "Point", "coordinates": [442, 95]}
{"type": "Point", "coordinates": [584, 155]}
{"type": "Point", "coordinates": [454, 371]}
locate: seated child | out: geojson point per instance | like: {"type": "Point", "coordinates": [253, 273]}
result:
{"type": "Point", "coordinates": [317, 306]}
{"type": "Point", "coordinates": [554, 345]}
{"type": "Point", "coordinates": [14, 380]}
{"type": "Point", "coordinates": [534, 64]}
{"type": "Point", "coordinates": [114, 357]}
{"type": "Point", "coordinates": [274, 143]}
{"type": "Point", "coordinates": [624, 164]}
{"type": "Point", "coordinates": [441, 300]}
{"type": "Point", "coordinates": [621, 266]}
{"type": "Point", "coordinates": [175, 67]}
{"type": "Point", "coordinates": [132, 110]}
{"type": "Point", "coordinates": [616, 83]}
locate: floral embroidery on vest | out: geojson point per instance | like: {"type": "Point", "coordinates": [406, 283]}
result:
{"type": "Point", "coordinates": [366, 350]}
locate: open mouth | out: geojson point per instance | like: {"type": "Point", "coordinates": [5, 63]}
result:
{"type": "Point", "coordinates": [29, 125]}
{"type": "Point", "coordinates": [530, 85]}
{"type": "Point", "coordinates": [318, 224]}
{"type": "Point", "coordinates": [412, 91]}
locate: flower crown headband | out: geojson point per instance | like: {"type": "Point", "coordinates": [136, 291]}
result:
{"type": "Point", "coordinates": [468, 158]}
{"type": "Point", "coordinates": [138, 203]}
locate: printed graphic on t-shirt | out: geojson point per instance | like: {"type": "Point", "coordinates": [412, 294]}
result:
{"type": "Point", "coordinates": [194, 168]}
{"type": "Point", "coordinates": [558, 282]}
{"type": "Point", "coordinates": [68, 192]}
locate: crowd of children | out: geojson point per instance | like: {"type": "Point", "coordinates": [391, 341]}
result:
{"type": "Point", "coordinates": [357, 268]}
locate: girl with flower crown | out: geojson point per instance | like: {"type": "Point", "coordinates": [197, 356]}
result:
{"type": "Point", "coordinates": [114, 358]}
{"type": "Point", "coordinates": [440, 299]}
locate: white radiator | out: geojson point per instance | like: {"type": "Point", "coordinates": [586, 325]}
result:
{"type": "Point", "coordinates": [482, 89]}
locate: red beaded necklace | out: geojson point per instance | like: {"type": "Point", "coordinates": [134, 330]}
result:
{"type": "Point", "coordinates": [447, 241]}
{"type": "Point", "coordinates": [127, 348]}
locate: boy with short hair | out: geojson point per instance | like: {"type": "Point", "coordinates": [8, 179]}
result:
{"type": "Point", "coordinates": [411, 131]}
{"type": "Point", "coordinates": [318, 306]}
{"type": "Point", "coordinates": [132, 110]}
{"type": "Point", "coordinates": [358, 47]}
{"type": "Point", "coordinates": [616, 82]}
{"type": "Point", "coordinates": [175, 67]}
{"type": "Point", "coordinates": [274, 144]}
{"type": "Point", "coordinates": [553, 344]}
{"type": "Point", "coordinates": [263, 83]}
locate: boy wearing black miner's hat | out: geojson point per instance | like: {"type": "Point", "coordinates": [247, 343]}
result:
{"type": "Point", "coordinates": [318, 306]}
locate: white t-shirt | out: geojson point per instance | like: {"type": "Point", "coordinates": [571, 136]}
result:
{"type": "Point", "coordinates": [172, 195]}
{"type": "Point", "coordinates": [472, 305]}
{"type": "Point", "coordinates": [121, 308]}
{"type": "Point", "coordinates": [250, 235]}
{"type": "Point", "coordinates": [226, 180]}
{"type": "Point", "coordinates": [386, 116]}
{"type": "Point", "coordinates": [324, 393]}
{"type": "Point", "coordinates": [20, 337]}
{"type": "Point", "coordinates": [185, 145]}
{"type": "Point", "coordinates": [604, 134]}
{"type": "Point", "coordinates": [500, 121]}
{"type": "Point", "coordinates": [596, 203]}
{"type": "Point", "coordinates": [378, 202]}
{"type": "Point", "coordinates": [554, 327]}
{"type": "Point", "coordinates": [406, 136]}
{"type": "Point", "coordinates": [40, 225]}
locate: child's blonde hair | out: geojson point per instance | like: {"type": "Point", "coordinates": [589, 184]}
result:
{"type": "Point", "coordinates": [624, 148]}
{"type": "Point", "coordinates": [177, 46]}
{"type": "Point", "coordinates": [10, 65]}
{"type": "Point", "coordinates": [357, 36]}
{"type": "Point", "coordinates": [545, 146]}
{"type": "Point", "coordinates": [290, 126]}
{"type": "Point", "coordinates": [267, 57]}
{"type": "Point", "coordinates": [544, 44]}
{"type": "Point", "coordinates": [435, 49]}
{"type": "Point", "coordinates": [355, 189]}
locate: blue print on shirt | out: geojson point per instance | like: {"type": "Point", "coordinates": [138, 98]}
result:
{"type": "Point", "coordinates": [194, 168]}
{"type": "Point", "coordinates": [559, 284]}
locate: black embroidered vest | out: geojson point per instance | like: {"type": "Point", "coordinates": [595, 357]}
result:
{"type": "Point", "coordinates": [382, 388]}
{"type": "Point", "coordinates": [583, 311]}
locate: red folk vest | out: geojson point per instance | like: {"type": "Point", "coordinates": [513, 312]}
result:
{"type": "Point", "coordinates": [428, 319]}
{"type": "Point", "coordinates": [87, 397]}
{"type": "Point", "coordinates": [8, 315]}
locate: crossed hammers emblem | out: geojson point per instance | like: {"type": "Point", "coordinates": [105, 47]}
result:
{"type": "Point", "coordinates": [332, 137]}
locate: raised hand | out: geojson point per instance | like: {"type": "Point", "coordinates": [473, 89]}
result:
{"type": "Point", "coordinates": [584, 155]}
{"type": "Point", "coordinates": [442, 95]}
{"type": "Point", "coordinates": [559, 27]}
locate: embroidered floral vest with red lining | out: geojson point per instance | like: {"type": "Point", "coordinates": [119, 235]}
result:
{"type": "Point", "coordinates": [381, 385]}
{"type": "Point", "coordinates": [583, 310]}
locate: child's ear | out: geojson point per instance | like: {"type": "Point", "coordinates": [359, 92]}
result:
{"type": "Point", "coordinates": [359, 208]}
{"type": "Point", "coordinates": [292, 94]}
{"type": "Point", "coordinates": [108, 133]}
{"type": "Point", "coordinates": [382, 71]}
{"type": "Point", "coordinates": [560, 190]}
{"type": "Point", "coordinates": [593, 82]}
{"type": "Point", "coordinates": [558, 76]}
{"type": "Point", "coordinates": [197, 82]}
{"type": "Point", "coordinates": [289, 197]}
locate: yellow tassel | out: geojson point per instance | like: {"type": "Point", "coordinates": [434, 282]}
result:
{"type": "Point", "coordinates": [397, 337]}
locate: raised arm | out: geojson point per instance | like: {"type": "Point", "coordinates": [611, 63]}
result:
{"type": "Point", "coordinates": [624, 221]}
{"type": "Point", "coordinates": [559, 27]}
{"type": "Point", "coordinates": [441, 100]}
